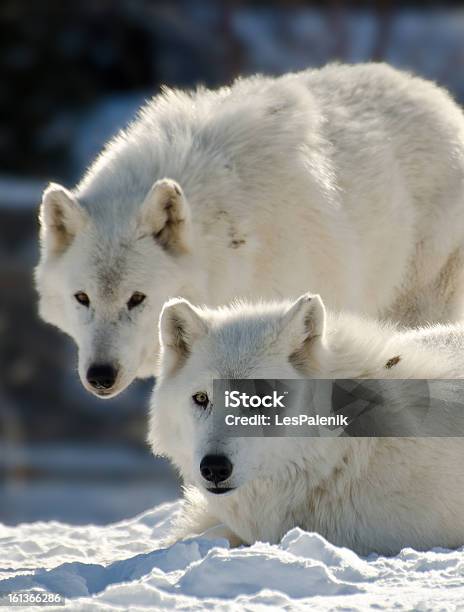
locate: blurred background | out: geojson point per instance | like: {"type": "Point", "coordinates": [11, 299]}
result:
{"type": "Point", "coordinates": [71, 75]}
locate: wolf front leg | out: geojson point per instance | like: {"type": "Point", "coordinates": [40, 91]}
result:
{"type": "Point", "coordinates": [196, 520]}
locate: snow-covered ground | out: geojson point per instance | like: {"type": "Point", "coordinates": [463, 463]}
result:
{"type": "Point", "coordinates": [123, 566]}
{"type": "Point", "coordinates": [79, 484]}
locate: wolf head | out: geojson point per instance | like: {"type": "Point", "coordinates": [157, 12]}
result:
{"type": "Point", "coordinates": [94, 282]}
{"type": "Point", "coordinates": [272, 341]}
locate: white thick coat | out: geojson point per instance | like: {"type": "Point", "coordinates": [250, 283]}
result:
{"type": "Point", "coordinates": [369, 494]}
{"type": "Point", "coordinates": [346, 180]}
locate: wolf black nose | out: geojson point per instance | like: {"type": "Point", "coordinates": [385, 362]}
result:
{"type": "Point", "coordinates": [215, 468]}
{"type": "Point", "coordinates": [101, 376]}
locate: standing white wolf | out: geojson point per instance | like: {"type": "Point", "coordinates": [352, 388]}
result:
{"type": "Point", "coordinates": [369, 494]}
{"type": "Point", "coordinates": [347, 180]}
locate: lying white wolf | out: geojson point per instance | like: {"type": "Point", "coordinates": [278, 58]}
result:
{"type": "Point", "coordinates": [369, 494]}
{"type": "Point", "coordinates": [348, 180]}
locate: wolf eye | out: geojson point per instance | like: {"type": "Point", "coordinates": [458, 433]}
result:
{"type": "Point", "coordinates": [135, 300]}
{"type": "Point", "coordinates": [82, 298]}
{"type": "Point", "coordinates": [201, 399]}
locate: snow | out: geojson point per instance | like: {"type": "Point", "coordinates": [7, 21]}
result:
{"type": "Point", "coordinates": [77, 483]}
{"type": "Point", "coordinates": [125, 564]}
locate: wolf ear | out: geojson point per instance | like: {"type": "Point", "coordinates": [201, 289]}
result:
{"type": "Point", "coordinates": [60, 216]}
{"type": "Point", "coordinates": [180, 325]}
{"type": "Point", "coordinates": [303, 325]}
{"type": "Point", "coordinates": [165, 214]}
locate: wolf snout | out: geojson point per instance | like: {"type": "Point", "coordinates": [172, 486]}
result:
{"type": "Point", "coordinates": [102, 376]}
{"type": "Point", "coordinates": [216, 468]}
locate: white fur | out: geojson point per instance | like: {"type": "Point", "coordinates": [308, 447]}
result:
{"type": "Point", "coordinates": [369, 494]}
{"type": "Point", "coordinates": [347, 180]}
